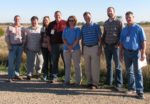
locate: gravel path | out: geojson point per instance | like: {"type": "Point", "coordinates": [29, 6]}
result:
{"type": "Point", "coordinates": [38, 92]}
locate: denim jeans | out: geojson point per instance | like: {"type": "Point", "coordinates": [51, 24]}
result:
{"type": "Point", "coordinates": [14, 60]}
{"type": "Point", "coordinates": [113, 53]}
{"type": "Point", "coordinates": [47, 62]}
{"type": "Point", "coordinates": [134, 74]}
{"type": "Point", "coordinates": [57, 50]}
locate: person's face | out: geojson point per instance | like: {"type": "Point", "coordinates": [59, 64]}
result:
{"type": "Point", "coordinates": [58, 16]}
{"type": "Point", "coordinates": [71, 22]}
{"type": "Point", "coordinates": [130, 19]}
{"type": "Point", "coordinates": [34, 22]}
{"type": "Point", "coordinates": [17, 20]}
{"type": "Point", "coordinates": [87, 18]}
{"type": "Point", "coordinates": [110, 12]}
{"type": "Point", "coordinates": [46, 21]}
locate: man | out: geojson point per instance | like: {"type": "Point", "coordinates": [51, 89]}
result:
{"type": "Point", "coordinates": [91, 36]}
{"type": "Point", "coordinates": [110, 40]}
{"type": "Point", "coordinates": [33, 46]}
{"type": "Point", "coordinates": [133, 44]}
{"type": "Point", "coordinates": [55, 45]}
{"type": "Point", "coordinates": [15, 40]}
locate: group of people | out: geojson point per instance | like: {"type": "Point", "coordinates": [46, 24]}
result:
{"type": "Point", "coordinates": [44, 45]}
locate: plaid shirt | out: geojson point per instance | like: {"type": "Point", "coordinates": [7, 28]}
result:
{"type": "Point", "coordinates": [112, 30]}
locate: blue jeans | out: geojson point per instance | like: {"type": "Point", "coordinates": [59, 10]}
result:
{"type": "Point", "coordinates": [14, 60]}
{"type": "Point", "coordinates": [134, 74]}
{"type": "Point", "coordinates": [57, 50]}
{"type": "Point", "coordinates": [113, 53]}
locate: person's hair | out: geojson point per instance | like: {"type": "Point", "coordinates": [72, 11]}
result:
{"type": "Point", "coordinates": [128, 13]}
{"type": "Point", "coordinates": [111, 8]}
{"type": "Point", "coordinates": [74, 18]}
{"type": "Point", "coordinates": [45, 18]}
{"type": "Point", "coordinates": [16, 16]}
{"type": "Point", "coordinates": [34, 18]}
{"type": "Point", "coordinates": [86, 13]}
{"type": "Point", "coordinates": [57, 12]}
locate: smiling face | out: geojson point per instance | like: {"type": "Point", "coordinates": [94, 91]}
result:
{"type": "Point", "coordinates": [34, 22]}
{"type": "Point", "coordinates": [87, 18]}
{"type": "Point", "coordinates": [58, 16]}
{"type": "Point", "coordinates": [17, 20]}
{"type": "Point", "coordinates": [130, 19]}
{"type": "Point", "coordinates": [46, 21]}
{"type": "Point", "coordinates": [111, 12]}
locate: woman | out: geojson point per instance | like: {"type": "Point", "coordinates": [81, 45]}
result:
{"type": "Point", "coordinates": [33, 47]}
{"type": "Point", "coordinates": [44, 45]}
{"type": "Point", "coordinates": [71, 37]}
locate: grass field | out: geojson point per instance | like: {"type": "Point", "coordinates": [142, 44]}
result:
{"type": "Point", "coordinates": [146, 70]}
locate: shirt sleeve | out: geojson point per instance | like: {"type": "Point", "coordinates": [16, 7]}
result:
{"type": "Point", "coordinates": [63, 34]}
{"type": "Point", "coordinates": [78, 33]}
{"type": "Point", "coordinates": [142, 35]}
{"type": "Point", "coordinates": [121, 36]}
{"type": "Point", "coordinates": [98, 30]}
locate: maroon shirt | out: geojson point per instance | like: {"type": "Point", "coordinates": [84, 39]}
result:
{"type": "Point", "coordinates": [55, 31]}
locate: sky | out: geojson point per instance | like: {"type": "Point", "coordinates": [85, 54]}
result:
{"type": "Point", "coordinates": [98, 8]}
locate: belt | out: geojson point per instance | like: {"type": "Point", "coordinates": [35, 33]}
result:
{"type": "Point", "coordinates": [16, 44]}
{"type": "Point", "coordinates": [129, 50]}
{"type": "Point", "coordinates": [91, 45]}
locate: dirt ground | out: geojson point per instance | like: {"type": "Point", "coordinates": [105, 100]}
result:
{"type": "Point", "coordinates": [39, 92]}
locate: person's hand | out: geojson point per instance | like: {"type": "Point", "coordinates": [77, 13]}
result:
{"type": "Point", "coordinates": [143, 56]}
{"type": "Point", "coordinates": [121, 56]}
{"type": "Point", "coordinates": [49, 48]}
{"type": "Point", "coordinates": [99, 51]}
{"type": "Point", "coordinates": [117, 46]}
{"type": "Point", "coordinates": [70, 47]}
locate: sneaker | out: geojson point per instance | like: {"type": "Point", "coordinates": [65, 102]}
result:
{"type": "Point", "coordinates": [28, 77]}
{"type": "Point", "coordinates": [94, 87]}
{"type": "Point", "coordinates": [131, 92]}
{"type": "Point", "coordinates": [44, 78]}
{"type": "Point", "coordinates": [119, 89]}
{"type": "Point", "coordinates": [140, 96]}
{"type": "Point", "coordinates": [10, 80]}
{"type": "Point", "coordinates": [18, 78]}
{"type": "Point", "coordinates": [55, 78]}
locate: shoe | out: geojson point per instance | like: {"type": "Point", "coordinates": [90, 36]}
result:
{"type": "Point", "coordinates": [18, 78]}
{"type": "Point", "coordinates": [131, 92]}
{"type": "Point", "coordinates": [44, 78]}
{"type": "Point", "coordinates": [94, 87]}
{"type": "Point", "coordinates": [28, 77]}
{"type": "Point", "coordinates": [119, 89]}
{"type": "Point", "coordinates": [10, 80]}
{"type": "Point", "coordinates": [140, 96]}
{"type": "Point", "coordinates": [55, 78]}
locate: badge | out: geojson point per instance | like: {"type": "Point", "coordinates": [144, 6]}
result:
{"type": "Point", "coordinates": [52, 32]}
{"type": "Point", "coordinates": [127, 39]}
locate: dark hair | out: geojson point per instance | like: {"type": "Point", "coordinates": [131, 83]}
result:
{"type": "Point", "coordinates": [34, 18]}
{"type": "Point", "coordinates": [44, 18]}
{"type": "Point", "coordinates": [111, 8]}
{"type": "Point", "coordinates": [75, 20]}
{"type": "Point", "coordinates": [16, 16]}
{"type": "Point", "coordinates": [86, 13]}
{"type": "Point", "coordinates": [57, 12]}
{"type": "Point", "coordinates": [128, 13]}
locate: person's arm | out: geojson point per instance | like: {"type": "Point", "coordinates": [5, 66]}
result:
{"type": "Point", "coordinates": [48, 38]}
{"type": "Point", "coordinates": [121, 52]}
{"type": "Point", "coordinates": [7, 37]}
{"type": "Point", "coordinates": [143, 50]}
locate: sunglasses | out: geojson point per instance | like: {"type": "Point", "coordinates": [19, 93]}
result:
{"type": "Point", "coordinates": [71, 20]}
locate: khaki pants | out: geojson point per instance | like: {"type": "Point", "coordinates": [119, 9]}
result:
{"type": "Point", "coordinates": [92, 64]}
{"type": "Point", "coordinates": [68, 57]}
{"type": "Point", "coordinates": [34, 61]}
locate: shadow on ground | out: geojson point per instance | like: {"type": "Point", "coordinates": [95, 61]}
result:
{"type": "Point", "coordinates": [38, 86]}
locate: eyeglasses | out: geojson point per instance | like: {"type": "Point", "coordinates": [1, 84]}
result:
{"type": "Point", "coordinates": [71, 20]}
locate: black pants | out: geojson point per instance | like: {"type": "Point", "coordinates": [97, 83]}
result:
{"type": "Point", "coordinates": [47, 62]}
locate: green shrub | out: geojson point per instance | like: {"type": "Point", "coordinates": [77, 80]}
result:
{"type": "Point", "coordinates": [1, 32]}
